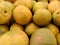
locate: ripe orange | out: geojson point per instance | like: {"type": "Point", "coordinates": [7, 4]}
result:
{"type": "Point", "coordinates": [22, 15]}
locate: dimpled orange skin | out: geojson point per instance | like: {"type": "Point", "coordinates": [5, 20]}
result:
{"type": "Point", "coordinates": [22, 15]}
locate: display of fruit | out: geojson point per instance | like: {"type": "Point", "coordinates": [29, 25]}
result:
{"type": "Point", "coordinates": [53, 28]}
{"type": "Point", "coordinates": [56, 17]}
{"type": "Point", "coordinates": [30, 28]}
{"type": "Point", "coordinates": [3, 29]}
{"type": "Point", "coordinates": [42, 17]}
{"type": "Point", "coordinates": [27, 3]}
{"type": "Point", "coordinates": [43, 36]}
{"type": "Point", "coordinates": [54, 5]}
{"type": "Point", "coordinates": [29, 22]}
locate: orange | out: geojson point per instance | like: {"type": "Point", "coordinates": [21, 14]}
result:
{"type": "Point", "coordinates": [22, 15]}
{"type": "Point", "coordinates": [15, 27]}
{"type": "Point", "coordinates": [5, 12]}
